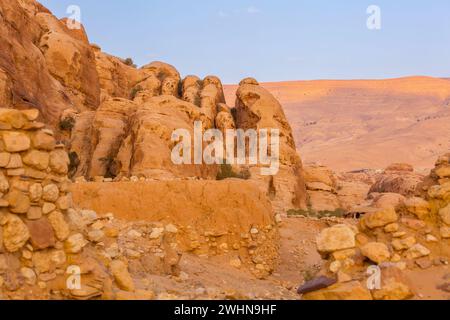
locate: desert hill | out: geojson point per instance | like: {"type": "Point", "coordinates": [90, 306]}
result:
{"type": "Point", "coordinates": [357, 124]}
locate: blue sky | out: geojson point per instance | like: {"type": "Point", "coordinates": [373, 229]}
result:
{"type": "Point", "coordinates": [273, 40]}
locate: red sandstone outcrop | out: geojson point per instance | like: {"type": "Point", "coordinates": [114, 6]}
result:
{"type": "Point", "coordinates": [398, 178]}
{"type": "Point", "coordinates": [43, 64]}
{"type": "Point", "coordinates": [257, 109]}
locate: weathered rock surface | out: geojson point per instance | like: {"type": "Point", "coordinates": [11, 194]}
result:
{"type": "Point", "coordinates": [399, 234]}
{"type": "Point", "coordinates": [257, 109]}
{"type": "Point", "coordinates": [43, 65]}
{"type": "Point", "coordinates": [398, 178]}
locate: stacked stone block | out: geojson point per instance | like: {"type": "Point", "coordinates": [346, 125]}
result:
{"type": "Point", "coordinates": [34, 197]}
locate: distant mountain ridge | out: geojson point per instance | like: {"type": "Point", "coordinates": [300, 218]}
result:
{"type": "Point", "coordinates": [354, 124]}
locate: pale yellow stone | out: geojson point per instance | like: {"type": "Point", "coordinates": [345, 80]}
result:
{"type": "Point", "coordinates": [15, 233]}
{"type": "Point", "coordinates": [37, 159]}
{"type": "Point", "coordinates": [50, 193]}
{"type": "Point", "coordinates": [4, 159]}
{"type": "Point", "coordinates": [15, 161]}
{"type": "Point", "coordinates": [59, 225]}
{"type": "Point", "coordinates": [16, 141]}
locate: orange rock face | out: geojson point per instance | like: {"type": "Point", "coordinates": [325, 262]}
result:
{"type": "Point", "coordinates": [42, 64]}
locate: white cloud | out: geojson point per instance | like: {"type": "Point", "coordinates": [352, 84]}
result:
{"type": "Point", "coordinates": [253, 10]}
{"type": "Point", "coordinates": [237, 12]}
{"type": "Point", "coordinates": [223, 14]}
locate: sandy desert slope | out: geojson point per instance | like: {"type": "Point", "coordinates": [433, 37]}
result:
{"type": "Point", "coordinates": [357, 124]}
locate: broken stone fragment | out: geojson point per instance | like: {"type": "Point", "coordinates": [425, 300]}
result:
{"type": "Point", "coordinates": [419, 207]}
{"type": "Point", "coordinates": [4, 159]}
{"type": "Point", "coordinates": [444, 213]}
{"type": "Point", "coordinates": [34, 213]}
{"type": "Point", "coordinates": [59, 225]}
{"type": "Point", "coordinates": [445, 232]}
{"type": "Point", "coordinates": [316, 284]}
{"type": "Point", "coordinates": [75, 243]}
{"type": "Point", "coordinates": [31, 114]}
{"type": "Point", "coordinates": [352, 290]}
{"type": "Point", "coordinates": [13, 117]}
{"type": "Point", "coordinates": [15, 161]}
{"type": "Point", "coordinates": [376, 251]}
{"type": "Point", "coordinates": [417, 251]}
{"type": "Point", "coordinates": [4, 184]}
{"type": "Point", "coordinates": [121, 275]}
{"type": "Point", "coordinates": [403, 244]}
{"type": "Point", "coordinates": [59, 161]}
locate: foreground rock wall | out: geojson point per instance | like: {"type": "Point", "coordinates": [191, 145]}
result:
{"type": "Point", "coordinates": [212, 217]}
{"type": "Point", "coordinates": [35, 238]}
{"type": "Point", "coordinates": [46, 245]}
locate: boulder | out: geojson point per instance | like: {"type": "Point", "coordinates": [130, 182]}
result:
{"type": "Point", "coordinates": [419, 207]}
{"type": "Point", "coordinates": [379, 218]}
{"type": "Point", "coordinates": [15, 233]}
{"type": "Point", "coordinates": [353, 290]}
{"type": "Point", "coordinates": [336, 238]}
{"type": "Point", "coordinates": [444, 214]}
{"type": "Point", "coordinates": [316, 284]}
{"type": "Point", "coordinates": [376, 252]}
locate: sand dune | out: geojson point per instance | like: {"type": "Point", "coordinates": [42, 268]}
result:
{"type": "Point", "coordinates": [358, 124]}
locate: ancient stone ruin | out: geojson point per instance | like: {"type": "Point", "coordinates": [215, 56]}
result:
{"type": "Point", "coordinates": [399, 234]}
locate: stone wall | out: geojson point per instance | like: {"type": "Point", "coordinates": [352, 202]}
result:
{"type": "Point", "coordinates": [35, 238]}
{"type": "Point", "coordinates": [212, 217]}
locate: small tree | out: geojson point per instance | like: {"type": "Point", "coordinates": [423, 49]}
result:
{"type": "Point", "coordinates": [130, 62]}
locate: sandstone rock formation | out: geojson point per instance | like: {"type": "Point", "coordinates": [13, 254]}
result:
{"type": "Point", "coordinates": [43, 64]}
{"type": "Point", "coordinates": [111, 113]}
{"type": "Point", "coordinates": [114, 141]}
{"type": "Point", "coordinates": [322, 189]}
{"type": "Point", "coordinates": [257, 109]}
{"type": "Point", "coordinates": [398, 178]}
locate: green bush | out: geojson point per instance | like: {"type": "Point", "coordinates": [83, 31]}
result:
{"type": "Point", "coordinates": [129, 62]}
{"type": "Point", "coordinates": [67, 124]}
{"type": "Point", "coordinates": [340, 213]}
{"type": "Point", "coordinates": [135, 91]}
{"type": "Point", "coordinates": [109, 163]}
{"type": "Point", "coordinates": [226, 172]}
